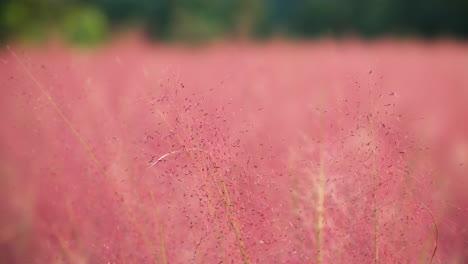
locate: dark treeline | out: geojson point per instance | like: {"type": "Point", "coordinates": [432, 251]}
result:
{"type": "Point", "coordinates": [92, 20]}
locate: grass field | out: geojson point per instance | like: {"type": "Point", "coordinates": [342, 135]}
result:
{"type": "Point", "coordinates": [320, 152]}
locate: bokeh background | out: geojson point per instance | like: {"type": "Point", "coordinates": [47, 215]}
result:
{"type": "Point", "coordinates": [233, 131]}
{"type": "Point", "coordinates": [91, 21]}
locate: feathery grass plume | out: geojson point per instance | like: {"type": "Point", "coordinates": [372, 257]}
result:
{"type": "Point", "coordinates": [136, 154]}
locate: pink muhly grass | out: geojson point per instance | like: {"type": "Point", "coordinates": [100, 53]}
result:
{"type": "Point", "coordinates": [274, 154]}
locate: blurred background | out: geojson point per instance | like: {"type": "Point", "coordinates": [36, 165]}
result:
{"type": "Point", "coordinates": [292, 125]}
{"type": "Point", "coordinates": [89, 22]}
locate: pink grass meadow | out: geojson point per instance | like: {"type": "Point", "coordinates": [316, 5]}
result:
{"type": "Point", "coordinates": [276, 153]}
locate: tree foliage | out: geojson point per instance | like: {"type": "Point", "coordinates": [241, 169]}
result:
{"type": "Point", "coordinates": [207, 19]}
